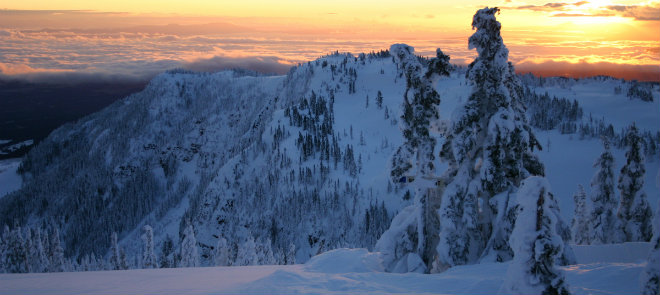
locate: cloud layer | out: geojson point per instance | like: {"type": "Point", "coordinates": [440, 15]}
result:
{"type": "Point", "coordinates": [645, 12]}
{"type": "Point", "coordinates": [114, 46]}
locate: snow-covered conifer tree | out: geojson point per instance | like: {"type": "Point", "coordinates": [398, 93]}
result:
{"type": "Point", "coordinates": [419, 109]}
{"type": "Point", "coordinates": [114, 262]}
{"type": "Point", "coordinates": [650, 277]}
{"type": "Point", "coordinates": [634, 212]}
{"type": "Point", "coordinates": [603, 228]}
{"type": "Point", "coordinates": [266, 256]}
{"type": "Point", "coordinates": [148, 255]}
{"type": "Point", "coordinates": [123, 260]}
{"type": "Point", "coordinates": [38, 258]}
{"type": "Point", "coordinates": [221, 253]}
{"type": "Point", "coordinates": [57, 263]}
{"type": "Point", "coordinates": [189, 257]}
{"type": "Point", "coordinates": [16, 255]}
{"type": "Point", "coordinates": [580, 223]}
{"type": "Point", "coordinates": [167, 253]}
{"type": "Point", "coordinates": [247, 253]}
{"type": "Point", "coordinates": [4, 239]}
{"type": "Point", "coordinates": [379, 99]}
{"type": "Point", "coordinates": [291, 254]}
{"type": "Point", "coordinates": [414, 157]}
{"type": "Point", "coordinates": [535, 243]}
{"type": "Point", "coordinates": [489, 150]}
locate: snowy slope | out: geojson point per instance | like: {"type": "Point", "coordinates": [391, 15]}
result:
{"type": "Point", "coordinates": [222, 151]}
{"type": "Point", "coordinates": [9, 179]}
{"type": "Point", "coordinates": [341, 271]}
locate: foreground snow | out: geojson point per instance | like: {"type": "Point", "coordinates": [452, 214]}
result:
{"type": "Point", "coordinates": [341, 271]}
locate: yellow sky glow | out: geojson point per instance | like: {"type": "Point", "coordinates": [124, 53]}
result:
{"type": "Point", "coordinates": [618, 32]}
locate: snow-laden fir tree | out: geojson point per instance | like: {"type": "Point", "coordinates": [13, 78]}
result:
{"type": "Point", "coordinates": [221, 254]}
{"type": "Point", "coordinates": [167, 253]}
{"type": "Point", "coordinates": [580, 223]}
{"type": "Point", "coordinates": [603, 227]}
{"type": "Point", "coordinates": [115, 259]}
{"type": "Point", "coordinates": [634, 211]}
{"type": "Point", "coordinates": [37, 254]}
{"type": "Point", "coordinates": [16, 255]}
{"type": "Point", "coordinates": [265, 254]}
{"type": "Point", "coordinates": [28, 249]}
{"type": "Point", "coordinates": [291, 254]}
{"type": "Point", "coordinates": [189, 257]}
{"type": "Point", "coordinates": [420, 103]}
{"type": "Point", "coordinates": [414, 158]}
{"type": "Point", "coordinates": [3, 248]}
{"type": "Point", "coordinates": [535, 243]}
{"type": "Point", "coordinates": [56, 253]}
{"type": "Point", "coordinates": [123, 260]}
{"type": "Point", "coordinates": [247, 253]}
{"type": "Point", "coordinates": [149, 259]}
{"type": "Point", "coordinates": [650, 277]}
{"type": "Point", "coordinates": [489, 149]}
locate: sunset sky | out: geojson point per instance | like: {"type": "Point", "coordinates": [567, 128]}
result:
{"type": "Point", "coordinates": [137, 39]}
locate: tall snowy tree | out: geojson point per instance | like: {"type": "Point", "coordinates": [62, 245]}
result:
{"type": "Point", "coordinates": [603, 228]}
{"type": "Point", "coordinates": [3, 249]}
{"type": "Point", "coordinates": [291, 254]}
{"type": "Point", "coordinates": [56, 253]}
{"type": "Point", "coordinates": [265, 253]}
{"type": "Point", "coordinates": [149, 259]}
{"type": "Point", "coordinates": [189, 257]}
{"type": "Point", "coordinates": [634, 211]}
{"type": "Point", "coordinates": [489, 150]}
{"type": "Point", "coordinates": [379, 99]}
{"type": "Point", "coordinates": [247, 253]}
{"type": "Point", "coordinates": [115, 259]}
{"type": "Point", "coordinates": [420, 103]}
{"type": "Point", "coordinates": [415, 157]}
{"type": "Point", "coordinates": [16, 255]}
{"type": "Point", "coordinates": [650, 277]}
{"type": "Point", "coordinates": [167, 253]}
{"type": "Point", "coordinates": [580, 223]}
{"type": "Point", "coordinates": [221, 252]}
{"type": "Point", "coordinates": [123, 260]}
{"type": "Point", "coordinates": [37, 254]}
{"type": "Point", "coordinates": [536, 244]}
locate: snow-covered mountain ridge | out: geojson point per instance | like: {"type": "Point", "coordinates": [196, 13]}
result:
{"type": "Point", "coordinates": [301, 159]}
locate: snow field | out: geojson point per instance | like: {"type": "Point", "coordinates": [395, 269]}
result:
{"type": "Point", "coordinates": [340, 271]}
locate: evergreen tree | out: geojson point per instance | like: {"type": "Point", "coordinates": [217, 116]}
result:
{"type": "Point", "coordinates": [489, 150]}
{"type": "Point", "coordinates": [222, 253]}
{"type": "Point", "coordinates": [266, 256]}
{"type": "Point", "coordinates": [16, 255]}
{"type": "Point", "coordinates": [535, 243]}
{"type": "Point", "coordinates": [189, 257]}
{"type": "Point", "coordinates": [291, 254]}
{"type": "Point", "coordinates": [415, 157]}
{"type": "Point", "coordinates": [439, 65]}
{"type": "Point", "coordinates": [4, 239]}
{"type": "Point", "coordinates": [650, 277]}
{"type": "Point", "coordinates": [38, 258]}
{"type": "Point", "coordinates": [247, 253]}
{"type": "Point", "coordinates": [634, 211]}
{"type": "Point", "coordinates": [580, 223]}
{"type": "Point", "coordinates": [167, 253]}
{"type": "Point", "coordinates": [115, 259]}
{"type": "Point", "coordinates": [57, 263]}
{"type": "Point", "coordinates": [603, 221]}
{"type": "Point", "coordinates": [148, 256]}
{"type": "Point", "coordinates": [379, 99]}
{"type": "Point", "coordinates": [419, 104]}
{"type": "Point", "coordinates": [123, 260]}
